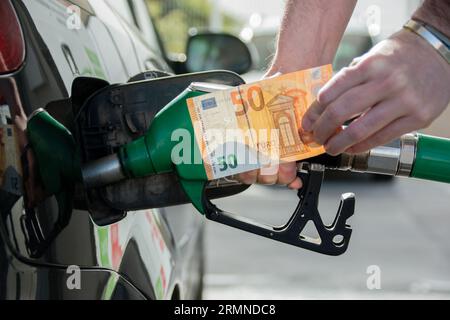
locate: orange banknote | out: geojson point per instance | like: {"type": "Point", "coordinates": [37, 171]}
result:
{"type": "Point", "coordinates": [256, 125]}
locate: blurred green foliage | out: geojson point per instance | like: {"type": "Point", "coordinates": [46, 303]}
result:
{"type": "Point", "coordinates": [174, 18]}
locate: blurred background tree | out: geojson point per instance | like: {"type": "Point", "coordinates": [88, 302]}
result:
{"type": "Point", "coordinates": [174, 19]}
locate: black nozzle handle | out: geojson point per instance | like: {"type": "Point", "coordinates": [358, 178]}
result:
{"type": "Point", "coordinates": [333, 239]}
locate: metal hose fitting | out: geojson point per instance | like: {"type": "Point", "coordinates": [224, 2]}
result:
{"type": "Point", "coordinates": [396, 158]}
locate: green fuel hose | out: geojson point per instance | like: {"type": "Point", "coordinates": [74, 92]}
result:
{"type": "Point", "coordinates": [432, 160]}
{"type": "Point", "coordinates": [413, 155]}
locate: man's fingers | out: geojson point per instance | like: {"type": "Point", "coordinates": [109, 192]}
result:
{"type": "Point", "coordinates": [350, 104]}
{"type": "Point", "coordinates": [287, 173]}
{"type": "Point", "coordinates": [296, 184]}
{"type": "Point", "coordinates": [266, 179]}
{"type": "Point", "coordinates": [365, 126]}
{"type": "Point", "coordinates": [350, 79]}
{"type": "Point", "coordinates": [248, 177]}
{"type": "Point", "coordinates": [311, 115]}
{"type": "Point", "coordinates": [344, 80]}
{"type": "Point", "coordinates": [387, 134]}
{"type": "Point", "coordinates": [283, 174]}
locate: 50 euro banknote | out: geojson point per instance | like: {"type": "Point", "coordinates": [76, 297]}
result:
{"type": "Point", "coordinates": [256, 125]}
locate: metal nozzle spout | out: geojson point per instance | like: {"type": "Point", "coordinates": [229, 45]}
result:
{"type": "Point", "coordinates": [103, 171]}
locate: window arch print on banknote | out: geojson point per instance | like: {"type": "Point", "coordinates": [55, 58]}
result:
{"type": "Point", "coordinates": [281, 108]}
{"type": "Point", "coordinates": [300, 101]}
{"type": "Point", "coordinates": [300, 107]}
{"type": "Point", "coordinates": [285, 126]}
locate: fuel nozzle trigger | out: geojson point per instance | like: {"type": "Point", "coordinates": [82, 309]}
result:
{"type": "Point", "coordinates": [333, 239]}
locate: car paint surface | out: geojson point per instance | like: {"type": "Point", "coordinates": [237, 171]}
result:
{"type": "Point", "coordinates": [152, 254]}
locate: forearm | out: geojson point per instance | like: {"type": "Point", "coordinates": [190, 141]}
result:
{"type": "Point", "coordinates": [310, 33]}
{"type": "Point", "coordinates": [435, 13]}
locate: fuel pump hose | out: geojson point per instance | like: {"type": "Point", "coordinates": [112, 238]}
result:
{"type": "Point", "coordinates": [413, 155]}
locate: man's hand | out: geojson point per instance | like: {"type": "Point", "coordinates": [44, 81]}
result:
{"type": "Point", "coordinates": [399, 86]}
{"type": "Point", "coordinates": [309, 36]}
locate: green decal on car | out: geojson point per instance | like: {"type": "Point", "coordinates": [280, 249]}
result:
{"type": "Point", "coordinates": [95, 63]}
